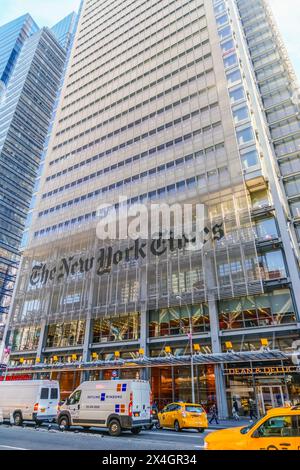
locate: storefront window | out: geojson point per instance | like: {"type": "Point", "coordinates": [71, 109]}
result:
{"type": "Point", "coordinates": [275, 308]}
{"type": "Point", "coordinates": [118, 328]}
{"type": "Point", "coordinates": [172, 383]}
{"type": "Point", "coordinates": [26, 339]}
{"type": "Point", "coordinates": [65, 334]}
{"type": "Point", "coordinates": [176, 321]}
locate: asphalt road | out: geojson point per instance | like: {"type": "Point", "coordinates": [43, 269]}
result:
{"type": "Point", "coordinates": [29, 438]}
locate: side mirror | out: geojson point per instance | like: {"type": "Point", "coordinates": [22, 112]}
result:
{"type": "Point", "coordinates": [256, 435]}
{"type": "Point", "coordinates": [68, 401]}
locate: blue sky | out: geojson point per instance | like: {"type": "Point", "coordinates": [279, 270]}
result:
{"type": "Point", "coordinates": [48, 12]}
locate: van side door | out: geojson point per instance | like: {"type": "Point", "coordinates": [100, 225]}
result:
{"type": "Point", "coordinates": [74, 406]}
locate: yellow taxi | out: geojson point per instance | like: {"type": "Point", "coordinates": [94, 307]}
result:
{"type": "Point", "coordinates": [279, 429]}
{"type": "Point", "coordinates": [183, 416]}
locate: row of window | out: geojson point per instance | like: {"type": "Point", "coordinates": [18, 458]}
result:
{"type": "Point", "coordinates": [210, 176]}
{"type": "Point", "coordinates": [127, 85]}
{"type": "Point", "coordinates": [199, 76]}
{"type": "Point", "coordinates": [161, 192]}
{"type": "Point", "coordinates": [124, 41]}
{"type": "Point", "coordinates": [153, 150]}
{"type": "Point", "coordinates": [112, 71]}
{"type": "Point", "coordinates": [137, 121]}
{"type": "Point", "coordinates": [268, 309]}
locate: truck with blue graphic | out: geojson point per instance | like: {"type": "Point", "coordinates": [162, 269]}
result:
{"type": "Point", "coordinates": [117, 405]}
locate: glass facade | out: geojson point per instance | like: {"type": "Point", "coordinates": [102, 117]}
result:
{"type": "Point", "coordinates": [25, 115]}
{"type": "Point", "coordinates": [12, 38]}
{"type": "Point", "coordinates": [160, 105]}
{"type": "Point", "coordinates": [64, 30]}
{"type": "Point", "coordinates": [119, 328]}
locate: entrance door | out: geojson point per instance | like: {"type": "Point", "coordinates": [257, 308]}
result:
{"type": "Point", "coordinates": [270, 396]}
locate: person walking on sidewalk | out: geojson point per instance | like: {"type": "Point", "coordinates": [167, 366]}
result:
{"type": "Point", "coordinates": [214, 414]}
{"type": "Point", "coordinates": [252, 409]}
{"type": "Point", "coordinates": [235, 410]}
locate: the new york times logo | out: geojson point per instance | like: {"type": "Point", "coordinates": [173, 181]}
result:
{"type": "Point", "coordinates": [110, 256]}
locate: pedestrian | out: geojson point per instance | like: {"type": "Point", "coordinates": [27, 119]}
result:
{"type": "Point", "coordinates": [214, 414]}
{"type": "Point", "coordinates": [252, 409]}
{"type": "Point", "coordinates": [235, 410]}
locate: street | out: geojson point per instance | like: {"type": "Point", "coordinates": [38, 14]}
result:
{"type": "Point", "coordinates": [29, 438]}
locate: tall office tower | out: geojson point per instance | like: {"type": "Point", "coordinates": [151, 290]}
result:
{"type": "Point", "coordinates": [12, 37]}
{"type": "Point", "coordinates": [161, 105]}
{"type": "Point", "coordinates": [64, 30]}
{"type": "Point", "coordinates": [25, 116]}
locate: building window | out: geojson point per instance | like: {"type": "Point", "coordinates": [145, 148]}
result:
{"type": "Point", "coordinates": [65, 334]}
{"type": "Point", "coordinates": [240, 114]}
{"type": "Point", "coordinates": [237, 95]}
{"type": "Point", "coordinates": [26, 339]}
{"type": "Point", "coordinates": [245, 136]}
{"type": "Point", "coordinates": [250, 159]}
{"type": "Point", "coordinates": [272, 265]}
{"type": "Point", "coordinates": [175, 321]}
{"type": "Point", "coordinates": [117, 328]}
{"type": "Point", "coordinates": [234, 77]}
{"type": "Point", "coordinates": [271, 309]}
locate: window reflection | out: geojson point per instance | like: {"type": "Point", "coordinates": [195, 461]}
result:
{"type": "Point", "coordinates": [117, 328]}
{"type": "Point", "coordinates": [254, 311]}
{"type": "Point", "coordinates": [65, 334]}
{"type": "Point", "coordinates": [26, 339]}
{"type": "Point", "coordinates": [175, 321]}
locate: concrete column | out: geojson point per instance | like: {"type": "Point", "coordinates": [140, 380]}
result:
{"type": "Point", "coordinates": [144, 373]}
{"type": "Point", "coordinates": [218, 369]}
{"type": "Point", "coordinates": [42, 340]}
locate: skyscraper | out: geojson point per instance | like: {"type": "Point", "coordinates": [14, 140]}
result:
{"type": "Point", "coordinates": [12, 37]}
{"type": "Point", "coordinates": [64, 30]}
{"type": "Point", "coordinates": [25, 114]}
{"type": "Point", "coordinates": [161, 104]}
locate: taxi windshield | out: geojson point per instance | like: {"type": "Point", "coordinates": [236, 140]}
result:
{"type": "Point", "coordinates": [193, 409]}
{"type": "Point", "coordinates": [248, 428]}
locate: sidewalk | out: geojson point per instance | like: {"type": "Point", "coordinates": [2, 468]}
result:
{"type": "Point", "coordinates": [229, 423]}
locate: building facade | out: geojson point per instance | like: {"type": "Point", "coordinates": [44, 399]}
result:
{"type": "Point", "coordinates": [161, 105]}
{"type": "Point", "coordinates": [12, 38]}
{"type": "Point", "coordinates": [25, 115]}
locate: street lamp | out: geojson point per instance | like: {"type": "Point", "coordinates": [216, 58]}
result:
{"type": "Point", "coordinates": [191, 346]}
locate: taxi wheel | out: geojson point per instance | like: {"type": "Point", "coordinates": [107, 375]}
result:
{"type": "Point", "coordinates": [177, 426]}
{"type": "Point", "coordinates": [158, 425]}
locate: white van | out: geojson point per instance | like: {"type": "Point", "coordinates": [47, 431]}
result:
{"type": "Point", "coordinates": [114, 404]}
{"type": "Point", "coordinates": [29, 400]}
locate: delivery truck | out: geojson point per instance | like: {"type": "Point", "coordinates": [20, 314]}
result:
{"type": "Point", "coordinates": [29, 400]}
{"type": "Point", "coordinates": [113, 404]}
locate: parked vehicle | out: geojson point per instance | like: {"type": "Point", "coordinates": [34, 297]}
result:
{"type": "Point", "coordinates": [279, 429]}
{"type": "Point", "coordinates": [183, 416]}
{"type": "Point", "coordinates": [114, 404]}
{"type": "Point", "coordinates": [154, 418]}
{"type": "Point", "coordinates": [29, 400]}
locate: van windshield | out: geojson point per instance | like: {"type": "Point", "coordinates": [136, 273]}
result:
{"type": "Point", "coordinates": [44, 393]}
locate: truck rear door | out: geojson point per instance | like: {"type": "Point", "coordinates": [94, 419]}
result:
{"type": "Point", "coordinates": [141, 402]}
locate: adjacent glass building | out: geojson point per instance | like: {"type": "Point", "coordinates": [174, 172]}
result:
{"type": "Point", "coordinates": [176, 102]}
{"type": "Point", "coordinates": [12, 37]}
{"type": "Point", "coordinates": [35, 63]}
